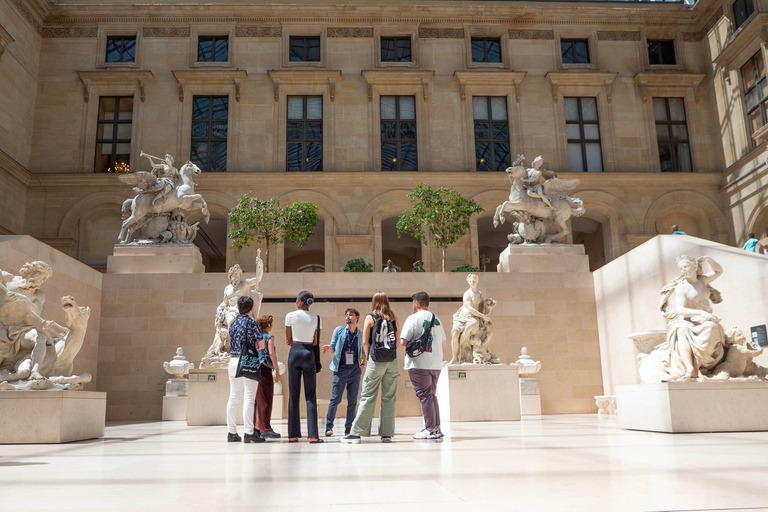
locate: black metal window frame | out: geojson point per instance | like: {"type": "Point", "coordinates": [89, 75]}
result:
{"type": "Point", "coordinates": [482, 49]}
{"type": "Point", "coordinates": [661, 52]}
{"type": "Point", "coordinates": [672, 143]}
{"type": "Point", "coordinates": [304, 54]}
{"type": "Point", "coordinates": [392, 131]}
{"type": "Point", "coordinates": [115, 122]}
{"type": "Point", "coordinates": [213, 54]}
{"type": "Point", "coordinates": [753, 89]}
{"type": "Point", "coordinates": [582, 140]}
{"type": "Point", "coordinates": [486, 131]}
{"type": "Point", "coordinates": [742, 11]}
{"type": "Point", "coordinates": [398, 43]}
{"type": "Point", "coordinates": [123, 47]}
{"type": "Point", "coordinates": [206, 134]}
{"type": "Point", "coordinates": [568, 50]}
{"type": "Point", "coordinates": [303, 133]}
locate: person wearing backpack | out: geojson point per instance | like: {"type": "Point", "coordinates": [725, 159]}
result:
{"type": "Point", "coordinates": [379, 357]}
{"type": "Point", "coordinates": [424, 368]}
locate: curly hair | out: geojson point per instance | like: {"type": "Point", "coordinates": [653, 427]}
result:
{"type": "Point", "coordinates": [40, 269]}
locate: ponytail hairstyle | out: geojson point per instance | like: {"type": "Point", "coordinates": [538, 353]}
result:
{"type": "Point", "coordinates": [380, 306]}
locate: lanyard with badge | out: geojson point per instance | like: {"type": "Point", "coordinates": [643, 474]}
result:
{"type": "Point", "coordinates": [349, 355]}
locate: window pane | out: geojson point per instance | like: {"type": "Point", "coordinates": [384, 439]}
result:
{"type": "Point", "coordinates": [594, 158]}
{"type": "Point", "coordinates": [107, 108]}
{"type": "Point", "coordinates": [566, 48]}
{"type": "Point", "coordinates": [662, 132]}
{"type": "Point", "coordinates": [103, 158]}
{"type": "Point", "coordinates": [200, 154]}
{"type": "Point", "coordinates": [575, 158]}
{"type": "Point", "coordinates": [581, 52]}
{"type": "Point", "coordinates": [204, 50]}
{"type": "Point", "coordinates": [388, 130]}
{"type": "Point", "coordinates": [500, 131]}
{"type": "Point", "coordinates": [220, 108]}
{"type": "Point", "coordinates": [388, 156]}
{"type": "Point", "coordinates": [407, 107]}
{"type": "Point", "coordinates": [478, 50]}
{"type": "Point", "coordinates": [683, 158]}
{"type": "Point", "coordinates": [295, 130]}
{"type": "Point", "coordinates": [591, 132]}
{"type": "Point", "coordinates": [752, 98]}
{"type": "Point", "coordinates": [589, 109]}
{"type": "Point", "coordinates": [407, 130]}
{"type": "Point", "coordinates": [313, 49]}
{"type": "Point", "coordinates": [199, 130]}
{"type": "Point", "coordinates": [105, 131]}
{"type": "Point", "coordinates": [659, 109]}
{"type": "Point", "coordinates": [296, 49]}
{"type": "Point", "coordinates": [760, 63]}
{"type": "Point", "coordinates": [676, 109]}
{"type": "Point", "coordinates": [482, 131]}
{"type": "Point", "coordinates": [480, 108]}
{"type": "Point", "coordinates": [408, 155]}
{"type": "Point", "coordinates": [295, 107]}
{"type": "Point", "coordinates": [573, 132]}
{"type": "Point", "coordinates": [387, 50]}
{"type": "Point", "coordinates": [499, 109]}
{"type": "Point", "coordinates": [755, 120]}
{"type": "Point", "coordinates": [129, 50]}
{"type": "Point", "coordinates": [315, 130]}
{"type": "Point", "coordinates": [665, 158]}
{"type": "Point", "coordinates": [501, 155]}
{"type": "Point", "coordinates": [294, 160]}
{"type": "Point", "coordinates": [200, 108]}
{"type": "Point", "coordinates": [314, 156]}
{"type": "Point", "coordinates": [218, 157]}
{"type": "Point", "coordinates": [679, 132]}
{"type": "Point", "coordinates": [667, 52]}
{"type": "Point", "coordinates": [315, 107]}
{"type": "Point", "coordinates": [748, 74]}
{"type": "Point", "coordinates": [483, 156]}
{"type": "Point", "coordinates": [219, 130]}
{"type": "Point", "coordinates": [388, 110]}
{"type": "Point", "coordinates": [493, 48]}
{"type": "Point", "coordinates": [404, 50]}
{"type": "Point", "coordinates": [124, 131]}
{"type": "Point", "coordinates": [114, 47]}
{"type": "Point", "coordinates": [571, 109]}
{"type": "Point", "coordinates": [222, 50]}
{"type": "Point", "coordinates": [125, 109]}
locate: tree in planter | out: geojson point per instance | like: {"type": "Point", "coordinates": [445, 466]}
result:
{"type": "Point", "coordinates": [443, 211]}
{"type": "Point", "coordinates": [358, 265]}
{"type": "Point", "coordinates": [265, 220]}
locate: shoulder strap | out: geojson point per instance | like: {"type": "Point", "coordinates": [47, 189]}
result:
{"type": "Point", "coordinates": [431, 324]}
{"type": "Point", "coordinates": [316, 341]}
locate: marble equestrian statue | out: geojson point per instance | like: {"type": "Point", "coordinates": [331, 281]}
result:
{"type": "Point", "coordinates": [37, 353]}
{"type": "Point", "coordinates": [539, 203]}
{"type": "Point", "coordinates": [695, 345]}
{"type": "Point", "coordinates": [165, 199]}
{"type": "Point", "coordinates": [472, 329]}
{"type": "Point", "coordinates": [217, 355]}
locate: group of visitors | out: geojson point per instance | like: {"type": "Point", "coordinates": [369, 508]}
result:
{"type": "Point", "coordinates": [370, 354]}
{"type": "Point", "coordinates": [750, 245]}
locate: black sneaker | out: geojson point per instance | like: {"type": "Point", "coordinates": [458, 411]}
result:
{"type": "Point", "coordinates": [253, 438]}
{"type": "Point", "coordinates": [350, 439]}
{"type": "Point", "coordinates": [270, 434]}
{"type": "Point", "coordinates": [233, 438]}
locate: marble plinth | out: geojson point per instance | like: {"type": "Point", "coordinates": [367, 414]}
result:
{"type": "Point", "coordinates": [530, 397]}
{"type": "Point", "coordinates": [175, 408]}
{"type": "Point", "coordinates": [694, 406]}
{"type": "Point", "coordinates": [44, 417]}
{"type": "Point", "coordinates": [155, 259]}
{"type": "Point", "coordinates": [543, 258]}
{"type": "Point", "coordinates": [176, 387]}
{"type": "Point", "coordinates": [479, 393]}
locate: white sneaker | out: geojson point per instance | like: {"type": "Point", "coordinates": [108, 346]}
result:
{"type": "Point", "coordinates": [438, 433]}
{"type": "Point", "coordinates": [425, 434]}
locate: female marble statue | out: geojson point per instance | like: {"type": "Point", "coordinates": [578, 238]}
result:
{"type": "Point", "coordinates": [472, 328]}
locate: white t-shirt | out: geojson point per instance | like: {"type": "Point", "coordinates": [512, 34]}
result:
{"type": "Point", "coordinates": [303, 325]}
{"type": "Point", "coordinates": [412, 329]}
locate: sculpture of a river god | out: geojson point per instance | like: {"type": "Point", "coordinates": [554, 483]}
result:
{"type": "Point", "coordinates": [472, 328]}
{"type": "Point", "coordinates": [696, 346]}
{"type": "Point", "coordinates": [37, 353]}
{"type": "Point", "coordinates": [539, 204]}
{"type": "Point", "coordinates": [217, 355]}
{"type": "Point", "coordinates": [166, 197]}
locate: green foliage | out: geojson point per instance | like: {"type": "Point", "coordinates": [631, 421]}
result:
{"type": "Point", "coordinates": [466, 268]}
{"type": "Point", "coordinates": [358, 265]}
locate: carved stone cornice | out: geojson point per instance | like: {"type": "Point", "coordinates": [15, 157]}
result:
{"type": "Point", "coordinates": [165, 32]}
{"type": "Point", "coordinates": [508, 79]}
{"type": "Point", "coordinates": [210, 76]}
{"type": "Point", "coordinates": [14, 169]}
{"type": "Point", "coordinates": [399, 77]}
{"type": "Point", "coordinates": [312, 77]}
{"type": "Point", "coordinates": [33, 15]}
{"type": "Point", "coordinates": [695, 37]}
{"type": "Point", "coordinates": [258, 32]}
{"type": "Point", "coordinates": [349, 32]}
{"type": "Point", "coordinates": [581, 79]}
{"type": "Point", "coordinates": [668, 84]}
{"type": "Point", "coordinates": [545, 35]}
{"type": "Point", "coordinates": [744, 43]}
{"type": "Point", "coordinates": [618, 35]}
{"type": "Point", "coordinates": [5, 40]}
{"type": "Point", "coordinates": [49, 33]}
{"type": "Point", "coordinates": [441, 33]}
{"type": "Point", "coordinates": [138, 77]}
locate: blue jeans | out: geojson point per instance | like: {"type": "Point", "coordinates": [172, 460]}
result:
{"type": "Point", "coordinates": [344, 378]}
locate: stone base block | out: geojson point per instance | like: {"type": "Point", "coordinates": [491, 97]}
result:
{"type": "Point", "coordinates": [530, 398]}
{"type": "Point", "coordinates": [694, 406]}
{"type": "Point", "coordinates": [45, 417]}
{"type": "Point", "coordinates": [553, 257]}
{"type": "Point", "coordinates": [479, 393]}
{"type": "Point", "coordinates": [176, 387]}
{"type": "Point", "coordinates": [155, 259]}
{"type": "Point", "coordinates": [175, 408]}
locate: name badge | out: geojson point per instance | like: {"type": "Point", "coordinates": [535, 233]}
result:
{"type": "Point", "coordinates": [349, 358]}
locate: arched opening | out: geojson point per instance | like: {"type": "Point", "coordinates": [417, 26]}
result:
{"type": "Point", "coordinates": [589, 233]}
{"type": "Point", "coordinates": [98, 236]}
{"type": "Point", "coordinates": [403, 251]}
{"type": "Point", "coordinates": [211, 239]}
{"type": "Point", "coordinates": [491, 242]}
{"type": "Point", "coordinates": [311, 257]}
{"type": "Point", "coordinates": [686, 223]}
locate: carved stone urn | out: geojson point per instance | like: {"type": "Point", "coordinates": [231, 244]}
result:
{"type": "Point", "coordinates": [526, 365]}
{"type": "Point", "coordinates": [179, 366]}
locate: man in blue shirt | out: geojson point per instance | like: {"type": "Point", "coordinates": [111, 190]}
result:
{"type": "Point", "coordinates": [752, 243]}
{"type": "Point", "coordinates": [676, 230]}
{"type": "Point", "coordinates": [347, 347]}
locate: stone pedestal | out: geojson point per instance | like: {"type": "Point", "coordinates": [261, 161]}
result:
{"type": "Point", "coordinates": [175, 408]}
{"type": "Point", "coordinates": [44, 417]}
{"type": "Point", "coordinates": [724, 406]}
{"type": "Point", "coordinates": [479, 393]}
{"type": "Point", "coordinates": [155, 259]}
{"type": "Point", "coordinates": [553, 257]}
{"type": "Point", "coordinates": [530, 397]}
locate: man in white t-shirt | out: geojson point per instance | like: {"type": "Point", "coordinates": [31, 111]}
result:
{"type": "Point", "coordinates": [424, 370]}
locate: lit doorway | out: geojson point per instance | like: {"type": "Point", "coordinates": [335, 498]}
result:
{"type": "Point", "coordinates": [311, 257]}
{"type": "Point", "coordinates": [403, 251]}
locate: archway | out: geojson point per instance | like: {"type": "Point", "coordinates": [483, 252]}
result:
{"type": "Point", "coordinates": [591, 235]}
{"type": "Point", "coordinates": [490, 242]}
{"type": "Point", "coordinates": [403, 251]}
{"type": "Point", "coordinates": [311, 257]}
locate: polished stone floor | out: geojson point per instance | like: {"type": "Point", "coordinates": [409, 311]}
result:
{"type": "Point", "coordinates": [549, 463]}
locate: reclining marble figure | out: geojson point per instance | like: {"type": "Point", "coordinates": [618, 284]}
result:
{"type": "Point", "coordinates": [37, 353]}
{"type": "Point", "coordinates": [472, 328]}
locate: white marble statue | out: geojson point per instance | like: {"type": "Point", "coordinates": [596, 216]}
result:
{"type": "Point", "coordinates": [472, 328]}
{"type": "Point", "coordinates": [539, 203]}
{"type": "Point", "coordinates": [179, 366]}
{"type": "Point", "coordinates": [37, 353]}
{"type": "Point", "coordinates": [166, 197]}
{"type": "Point", "coordinates": [218, 353]}
{"type": "Point", "coordinates": [696, 346]}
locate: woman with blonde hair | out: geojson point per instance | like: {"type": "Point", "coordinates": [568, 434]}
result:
{"type": "Point", "coordinates": [379, 358]}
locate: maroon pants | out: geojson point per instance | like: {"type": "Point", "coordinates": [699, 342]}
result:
{"type": "Point", "coordinates": [263, 411]}
{"type": "Point", "coordinates": [425, 385]}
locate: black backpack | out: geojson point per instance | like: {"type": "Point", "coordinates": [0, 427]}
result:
{"type": "Point", "coordinates": [383, 340]}
{"type": "Point", "coordinates": [418, 346]}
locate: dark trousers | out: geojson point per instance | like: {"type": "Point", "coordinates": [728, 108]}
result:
{"type": "Point", "coordinates": [348, 378]}
{"type": "Point", "coordinates": [425, 385]}
{"type": "Point", "coordinates": [264, 396]}
{"type": "Point", "coordinates": [301, 362]}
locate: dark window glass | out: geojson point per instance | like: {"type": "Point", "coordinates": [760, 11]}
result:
{"type": "Point", "coordinates": [113, 134]}
{"type": "Point", "coordinates": [304, 137]}
{"type": "Point", "coordinates": [213, 49]}
{"type": "Point", "coordinates": [304, 49]}
{"type": "Point", "coordinates": [755, 91]}
{"type": "Point", "coordinates": [395, 49]}
{"type": "Point", "coordinates": [742, 10]}
{"type": "Point", "coordinates": [661, 52]}
{"type": "Point", "coordinates": [209, 132]}
{"type": "Point", "coordinates": [583, 132]}
{"type": "Point", "coordinates": [672, 134]}
{"type": "Point", "coordinates": [486, 49]}
{"type": "Point", "coordinates": [398, 133]}
{"type": "Point", "coordinates": [491, 133]}
{"type": "Point", "coordinates": [575, 51]}
{"type": "Point", "coordinates": [121, 49]}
